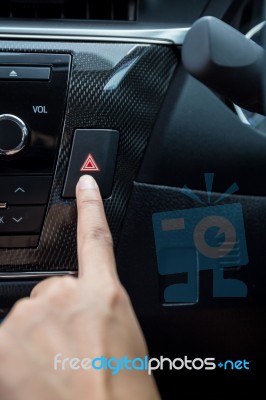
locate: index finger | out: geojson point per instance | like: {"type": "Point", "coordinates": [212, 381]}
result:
{"type": "Point", "coordinates": [95, 245]}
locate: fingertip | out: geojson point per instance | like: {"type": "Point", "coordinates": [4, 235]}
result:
{"type": "Point", "coordinates": [86, 182]}
{"type": "Point", "coordinates": [87, 186]}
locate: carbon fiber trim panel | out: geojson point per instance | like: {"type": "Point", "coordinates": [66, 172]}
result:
{"type": "Point", "coordinates": [112, 86]}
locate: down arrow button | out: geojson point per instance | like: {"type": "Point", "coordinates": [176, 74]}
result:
{"type": "Point", "coordinates": [17, 219]}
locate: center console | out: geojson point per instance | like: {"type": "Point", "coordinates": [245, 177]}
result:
{"type": "Point", "coordinates": [69, 108]}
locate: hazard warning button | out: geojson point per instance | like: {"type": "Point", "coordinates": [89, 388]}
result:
{"type": "Point", "coordinates": [90, 164]}
{"type": "Point", "coordinates": [93, 152]}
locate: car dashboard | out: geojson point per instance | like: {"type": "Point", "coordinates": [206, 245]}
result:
{"type": "Point", "coordinates": [101, 88]}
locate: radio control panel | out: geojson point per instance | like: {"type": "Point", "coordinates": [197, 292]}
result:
{"type": "Point", "coordinates": [32, 103]}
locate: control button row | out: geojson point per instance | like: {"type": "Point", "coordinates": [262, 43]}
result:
{"type": "Point", "coordinates": [25, 189]}
{"type": "Point", "coordinates": [26, 219]}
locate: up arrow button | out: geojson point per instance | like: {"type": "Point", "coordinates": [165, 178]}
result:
{"type": "Point", "coordinates": [19, 189]}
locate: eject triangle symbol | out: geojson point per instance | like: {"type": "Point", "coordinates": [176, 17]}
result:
{"type": "Point", "coordinates": [89, 164]}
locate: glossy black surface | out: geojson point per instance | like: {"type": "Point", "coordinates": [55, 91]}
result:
{"type": "Point", "coordinates": [40, 105]}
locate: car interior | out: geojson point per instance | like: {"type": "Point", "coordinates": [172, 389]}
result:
{"type": "Point", "coordinates": [163, 103]}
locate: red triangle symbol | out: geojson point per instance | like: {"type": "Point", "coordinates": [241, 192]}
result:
{"type": "Point", "coordinates": [90, 164]}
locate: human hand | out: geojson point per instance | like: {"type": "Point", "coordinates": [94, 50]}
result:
{"type": "Point", "coordinates": [85, 317]}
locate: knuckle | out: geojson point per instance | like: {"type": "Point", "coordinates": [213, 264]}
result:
{"type": "Point", "coordinates": [57, 290]}
{"type": "Point", "coordinates": [116, 296]}
{"type": "Point", "coordinates": [67, 283]}
{"type": "Point", "coordinates": [99, 234]}
{"type": "Point", "coordinates": [88, 202]}
{"type": "Point", "coordinates": [46, 285]}
{"type": "Point", "coordinates": [63, 288]}
{"type": "Point", "coordinates": [103, 235]}
{"type": "Point", "coordinates": [21, 306]}
{"type": "Point", "coordinates": [63, 292]}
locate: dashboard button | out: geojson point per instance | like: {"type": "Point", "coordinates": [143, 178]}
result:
{"type": "Point", "coordinates": [25, 189]}
{"type": "Point", "coordinates": [12, 72]}
{"type": "Point", "coordinates": [22, 219]}
{"type": "Point", "coordinates": [19, 241]}
{"type": "Point", "coordinates": [93, 152]}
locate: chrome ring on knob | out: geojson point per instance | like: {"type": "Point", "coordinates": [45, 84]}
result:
{"type": "Point", "coordinates": [24, 134]}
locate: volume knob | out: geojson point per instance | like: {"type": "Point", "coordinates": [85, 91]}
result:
{"type": "Point", "coordinates": [14, 134]}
